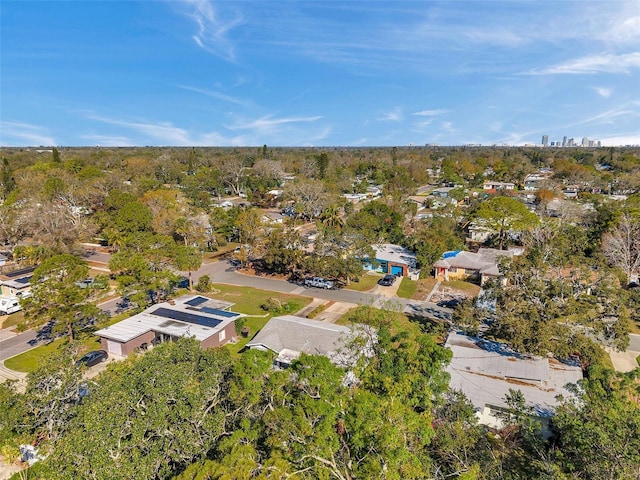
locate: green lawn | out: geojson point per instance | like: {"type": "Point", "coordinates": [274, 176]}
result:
{"type": "Point", "coordinates": [13, 319]}
{"type": "Point", "coordinates": [247, 300]}
{"type": "Point", "coordinates": [407, 288]}
{"type": "Point", "coordinates": [366, 282]}
{"type": "Point", "coordinates": [28, 361]}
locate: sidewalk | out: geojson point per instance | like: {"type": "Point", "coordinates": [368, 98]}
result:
{"type": "Point", "coordinates": [6, 374]}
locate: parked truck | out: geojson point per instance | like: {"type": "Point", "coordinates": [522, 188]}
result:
{"type": "Point", "coordinates": [9, 305]}
{"type": "Point", "coordinates": [319, 282]}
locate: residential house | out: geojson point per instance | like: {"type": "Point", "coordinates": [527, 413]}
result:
{"type": "Point", "coordinates": [272, 218]}
{"type": "Point", "coordinates": [483, 265]}
{"type": "Point", "coordinates": [374, 191]}
{"type": "Point", "coordinates": [354, 197]}
{"type": "Point", "coordinates": [289, 336]}
{"type": "Point", "coordinates": [17, 283]}
{"type": "Point", "coordinates": [3, 260]}
{"type": "Point", "coordinates": [478, 233]}
{"type": "Point", "coordinates": [535, 181]}
{"type": "Point", "coordinates": [485, 372]}
{"type": "Point", "coordinates": [209, 321]}
{"type": "Point", "coordinates": [441, 192]}
{"type": "Point", "coordinates": [395, 260]}
{"type": "Point", "coordinates": [491, 185]}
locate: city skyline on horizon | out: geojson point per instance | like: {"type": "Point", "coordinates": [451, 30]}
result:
{"type": "Point", "coordinates": [327, 73]}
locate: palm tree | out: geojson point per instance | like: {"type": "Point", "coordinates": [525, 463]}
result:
{"type": "Point", "coordinates": [332, 218]}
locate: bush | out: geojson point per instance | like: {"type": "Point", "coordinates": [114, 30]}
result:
{"type": "Point", "coordinates": [273, 305]}
{"type": "Point", "coordinates": [316, 311]}
{"type": "Point", "coordinates": [239, 325]}
{"type": "Point", "coordinates": [204, 284]}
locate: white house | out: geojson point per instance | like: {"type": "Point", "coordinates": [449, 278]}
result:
{"type": "Point", "coordinates": [485, 372]}
{"type": "Point", "coordinates": [491, 185]}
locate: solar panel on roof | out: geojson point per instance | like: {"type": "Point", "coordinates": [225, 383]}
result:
{"type": "Point", "coordinates": [217, 311]}
{"type": "Point", "coordinates": [196, 301]}
{"type": "Point", "coordinates": [24, 280]}
{"type": "Point", "coordinates": [186, 317]}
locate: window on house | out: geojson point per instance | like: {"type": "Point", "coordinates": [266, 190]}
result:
{"type": "Point", "coordinates": [222, 336]}
{"type": "Point", "coordinates": [453, 269]}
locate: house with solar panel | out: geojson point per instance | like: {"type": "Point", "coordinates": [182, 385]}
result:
{"type": "Point", "coordinates": [16, 283]}
{"type": "Point", "coordinates": [207, 320]}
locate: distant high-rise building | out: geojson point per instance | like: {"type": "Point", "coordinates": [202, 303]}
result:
{"type": "Point", "coordinates": [545, 140]}
{"type": "Point", "coordinates": [564, 141]}
{"type": "Point", "coordinates": [585, 142]}
{"type": "Point", "coordinates": [571, 142]}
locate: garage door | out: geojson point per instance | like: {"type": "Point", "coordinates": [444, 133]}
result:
{"type": "Point", "coordinates": [114, 347]}
{"type": "Point", "coordinates": [396, 270]}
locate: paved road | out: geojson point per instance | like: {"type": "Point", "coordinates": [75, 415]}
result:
{"type": "Point", "coordinates": [223, 272]}
{"type": "Point", "coordinates": [16, 345]}
{"type": "Point", "coordinates": [113, 306]}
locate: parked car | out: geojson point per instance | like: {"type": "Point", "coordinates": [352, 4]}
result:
{"type": "Point", "coordinates": [93, 358]}
{"type": "Point", "coordinates": [387, 280]}
{"type": "Point", "coordinates": [319, 282]}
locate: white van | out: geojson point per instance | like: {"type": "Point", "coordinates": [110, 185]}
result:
{"type": "Point", "coordinates": [9, 305]}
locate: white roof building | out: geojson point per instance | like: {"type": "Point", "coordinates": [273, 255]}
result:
{"type": "Point", "coordinates": [208, 321]}
{"type": "Point", "coordinates": [485, 372]}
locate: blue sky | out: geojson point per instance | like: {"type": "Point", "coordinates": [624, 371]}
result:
{"type": "Point", "coordinates": [304, 73]}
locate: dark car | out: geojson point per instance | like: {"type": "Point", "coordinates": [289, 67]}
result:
{"type": "Point", "coordinates": [93, 358]}
{"type": "Point", "coordinates": [387, 280]}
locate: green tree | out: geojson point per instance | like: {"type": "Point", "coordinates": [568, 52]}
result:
{"type": "Point", "coordinates": [55, 155]}
{"type": "Point", "coordinates": [7, 182]}
{"type": "Point", "coordinates": [503, 214]}
{"type": "Point", "coordinates": [148, 417]}
{"type": "Point", "coordinates": [188, 259]}
{"type": "Point", "coordinates": [56, 295]}
{"type": "Point", "coordinates": [599, 430]}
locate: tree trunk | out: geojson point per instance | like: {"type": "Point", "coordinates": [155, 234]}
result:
{"type": "Point", "coordinates": [190, 282]}
{"type": "Point", "coordinates": [70, 331]}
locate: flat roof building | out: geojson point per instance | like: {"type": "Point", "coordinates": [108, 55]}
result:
{"type": "Point", "coordinates": [208, 321]}
{"type": "Point", "coordinates": [485, 371]}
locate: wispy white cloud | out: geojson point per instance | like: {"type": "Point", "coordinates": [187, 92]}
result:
{"type": "Point", "coordinates": [213, 30]}
{"type": "Point", "coordinates": [609, 116]}
{"type": "Point", "coordinates": [621, 140]}
{"type": "Point", "coordinates": [603, 63]}
{"type": "Point", "coordinates": [623, 28]}
{"type": "Point", "coordinates": [269, 122]}
{"type": "Point", "coordinates": [431, 113]}
{"type": "Point", "coordinates": [218, 95]}
{"type": "Point", "coordinates": [394, 115]}
{"type": "Point", "coordinates": [447, 127]}
{"type": "Point", "coordinates": [279, 130]}
{"type": "Point", "coordinates": [163, 131]}
{"type": "Point", "coordinates": [20, 133]}
{"type": "Point", "coordinates": [108, 140]}
{"type": "Point", "coordinates": [603, 91]}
